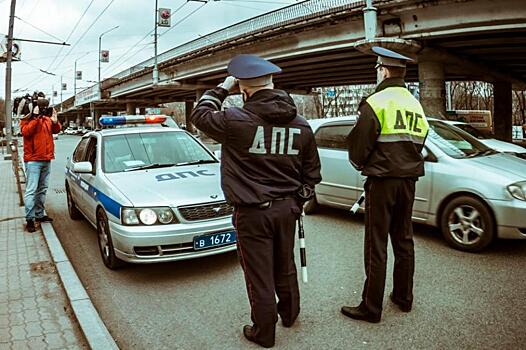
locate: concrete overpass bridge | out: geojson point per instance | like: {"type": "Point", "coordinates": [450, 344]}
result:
{"type": "Point", "coordinates": [315, 43]}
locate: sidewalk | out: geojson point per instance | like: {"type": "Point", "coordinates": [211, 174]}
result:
{"type": "Point", "coordinates": [34, 312]}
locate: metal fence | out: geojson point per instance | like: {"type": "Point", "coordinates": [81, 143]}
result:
{"type": "Point", "coordinates": [282, 17]}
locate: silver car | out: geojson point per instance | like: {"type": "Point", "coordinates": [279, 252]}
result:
{"type": "Point", "coordinates": [498, 145]}
{"type": "Point", "coordinates": [471, 192]}
{"type": "Point", "coordinates": [153, 194]}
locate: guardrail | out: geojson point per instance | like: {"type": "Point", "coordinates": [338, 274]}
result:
{"type": "Point", "coordinates": [284, 16]}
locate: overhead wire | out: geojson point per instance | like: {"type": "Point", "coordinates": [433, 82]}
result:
{"type": "Point", "coordinates": [88, 29]}
{"type": "Point", "coordinates": [72, 31]}
{"type": "Point", "coordinates": [40, 30]}
{"type": "Point", "coordinates": [112, 65]}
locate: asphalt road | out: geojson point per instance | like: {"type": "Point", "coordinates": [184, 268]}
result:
{"type": "Point", "coordinates": [462, 301]}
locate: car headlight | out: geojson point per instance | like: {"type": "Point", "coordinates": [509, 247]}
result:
{"type": "Point", "coordinates": [148, 216]}
{"type": "Point", "coordinates": [518, 190]}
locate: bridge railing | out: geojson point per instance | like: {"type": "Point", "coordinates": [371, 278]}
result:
{"type": "Point", "coordinates": [280, 17]}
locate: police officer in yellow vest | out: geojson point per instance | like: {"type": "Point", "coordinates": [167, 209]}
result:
{"type": "Point", "coordinates": [385, 145]}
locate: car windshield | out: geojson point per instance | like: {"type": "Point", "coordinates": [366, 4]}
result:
{"type": "Point", "coordinates": [471, 130]}
{"type": "Point", "coordinates": [149, 150]}
{"type": "Point", "coordinates": [455, 142]}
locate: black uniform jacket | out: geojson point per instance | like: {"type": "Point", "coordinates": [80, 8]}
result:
{"type": "Point", "coordinates": [267, 151]}
{"type": "Point", "coordinates": [394, 159]}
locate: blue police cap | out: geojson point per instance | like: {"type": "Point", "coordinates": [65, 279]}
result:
{"type": "Point", "coordinates": [388, 57]}
{"type": "Point", "coordinates": [251, 66]}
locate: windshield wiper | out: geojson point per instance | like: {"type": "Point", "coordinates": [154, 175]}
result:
{"type": "Point", "coordinates": [481, 153]}
{"type": "Point", "coordinates": [151, 166]}
{"type": "Point", "coordinates": [200, 161]}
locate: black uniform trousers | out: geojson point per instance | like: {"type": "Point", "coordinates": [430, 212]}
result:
{"type": "Point", "coordinates": [266, 253]}
{"type": "Point", "coordinates": [388, 208]}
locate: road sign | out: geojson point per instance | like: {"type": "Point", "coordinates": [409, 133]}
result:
{"type": "Point", "coordinates": [64, 86]}
{"type": "Point", "coordinates": [331, 93]}
{"type": "Point", "coordinates": [78, 75]}
{"type": "Point", "coordinates": [105, 56]}
{"type": "Point", "coordinates": [165, 18]}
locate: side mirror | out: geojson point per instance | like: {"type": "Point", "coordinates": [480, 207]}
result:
{"type": "Point", "coordinates": [83, 168]}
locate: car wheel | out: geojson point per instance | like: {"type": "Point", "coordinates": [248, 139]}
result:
{"type": "Point", "coordinates": [74, 213]}
{"type": "Point", "coordinates": [467, 224]}
{"type": "Point", "coordinates": [105, 243]}
{"type": "Point", "coordinates": [311, 206]}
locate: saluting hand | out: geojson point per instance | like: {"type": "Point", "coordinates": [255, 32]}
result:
{"type": "Point", "coordinates": [230, 84]}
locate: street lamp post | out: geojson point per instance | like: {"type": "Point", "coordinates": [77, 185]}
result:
{"type": "Point", "coordinates": [8, 111]}
{"type": "Point", "coordinates": [100, 38]}
{"type": "Point", "coordinates": [155, 72]}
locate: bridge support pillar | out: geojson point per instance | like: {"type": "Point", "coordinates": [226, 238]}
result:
{"type": "Point", "coordinates": [142, 111]}
{"type": "Point", "coordinates": [130, 108]}
{"type": "Point", "coordinates": [502, 111]}
{"type": "Point", "coordinates": [432, 88]}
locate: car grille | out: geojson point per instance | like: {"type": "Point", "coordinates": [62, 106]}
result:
{"type": "Point", "coordinates": [205, 211]}
{"type": "Point", "coordinates": [166, 250]}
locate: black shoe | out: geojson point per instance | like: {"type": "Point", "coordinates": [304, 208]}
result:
{"type": "Point", "coordinates": [358, 313]}
{"type": "Point", "coordinates": [30, 226]}
{"type": "Point", "coordinates": [45, 218]}
{"type": "Point", "coordinates": [247, 332]}
{"type": "Point", "coordinates": [287, 324]}
{"type": "Point", "coordinates": [403, 307]}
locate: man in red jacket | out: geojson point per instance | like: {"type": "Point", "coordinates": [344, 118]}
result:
{"type": "Point", "coordinates": [39, 149]}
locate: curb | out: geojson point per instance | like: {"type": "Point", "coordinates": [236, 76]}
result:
{"type": "Point", "coordinates": [91, 324]}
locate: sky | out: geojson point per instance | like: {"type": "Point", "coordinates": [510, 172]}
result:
{"type": "Point", "coordinates": [80, 22]}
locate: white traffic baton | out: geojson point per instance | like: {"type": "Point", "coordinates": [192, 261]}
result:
{"type": "Point", "coordinates": [358, 203]}
{"type": "Point", "coordinates": [303, 255]}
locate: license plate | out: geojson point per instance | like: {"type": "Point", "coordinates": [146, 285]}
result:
{"type": "Point", "coordinates": [214, 240]}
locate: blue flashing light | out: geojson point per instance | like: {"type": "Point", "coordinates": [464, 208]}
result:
{"type": "Point", "coordinates": [111, 120]}
{"type": "Point", "coordinates": [107, 120]}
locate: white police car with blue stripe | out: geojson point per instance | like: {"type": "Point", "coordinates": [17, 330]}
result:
{"type": "Point", "coordinates": [153, 194]}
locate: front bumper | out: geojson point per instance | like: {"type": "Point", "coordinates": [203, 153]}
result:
{"type": "Point", "coordinates": [511, 218]}
{"type": "Point", "coordinates": [149, 244]}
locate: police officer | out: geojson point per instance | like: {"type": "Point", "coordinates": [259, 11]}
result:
{"type": "Point", "coordinates": [385, 145]}
{"type": "Point", "coordinates": [268, 153]}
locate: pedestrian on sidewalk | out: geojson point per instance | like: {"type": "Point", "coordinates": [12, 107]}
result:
{"type": "Point", "coordinates": [386, 145]}
{"type": "Point", "coordinates": [268, 154]}
{"type": "Point", "coordinates": [37, 129]}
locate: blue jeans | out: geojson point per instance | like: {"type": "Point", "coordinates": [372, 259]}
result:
{"type": "Point", "coordinates": [37, 178]}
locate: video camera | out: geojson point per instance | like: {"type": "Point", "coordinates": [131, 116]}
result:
{"type": "Point", "coordinates": [32, 106]}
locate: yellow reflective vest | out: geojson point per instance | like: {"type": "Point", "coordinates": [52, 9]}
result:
{"type": "Point", "coordinates": [390, 133]}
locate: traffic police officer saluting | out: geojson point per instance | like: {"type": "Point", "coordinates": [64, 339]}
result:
{"type": "Point", "coordinates": [268, 153]}
{"type": "Point", "coordinates": [386, 146]}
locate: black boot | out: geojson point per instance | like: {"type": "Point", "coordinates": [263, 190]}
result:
{"type": "Point", "coordinates": [401, 305]}
{"type": "Point", "coordinates": [248, 333]}
{"type": "Point", "coordinates": [30, 226]}
{"type": "Point", "coordinates": [358, 313]}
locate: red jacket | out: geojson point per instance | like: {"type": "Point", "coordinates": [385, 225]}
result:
{"type": "Point", "coordinates": [38, 138]}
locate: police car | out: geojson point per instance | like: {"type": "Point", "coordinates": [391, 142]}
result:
{"type": "Point", "coordinates": [152, 193]}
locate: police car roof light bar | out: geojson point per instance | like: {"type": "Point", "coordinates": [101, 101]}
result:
{"type": "Point", "coordinates": [111, 120]}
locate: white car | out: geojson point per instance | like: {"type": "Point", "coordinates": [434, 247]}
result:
{"type": "Point", "coordinates": [501, 146]}
{"type": "Point", "coordinates": [153, 194]}
{"type": "Point", "coordinates": [473, 193]}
